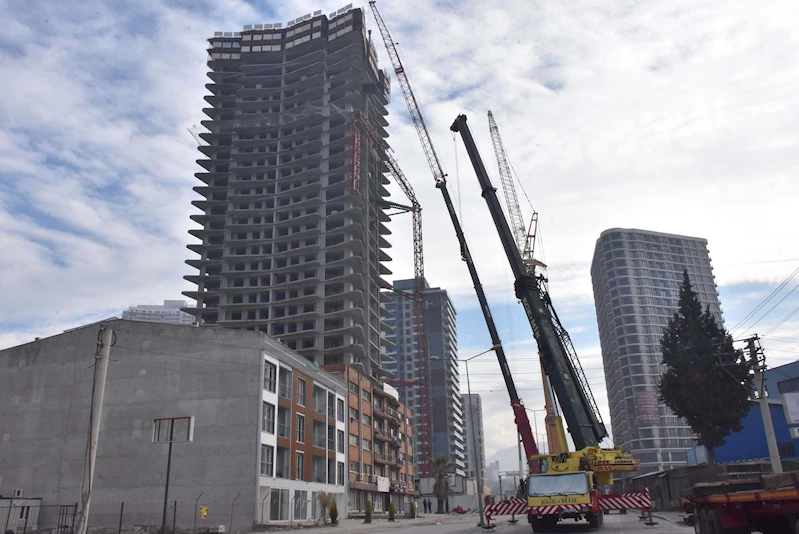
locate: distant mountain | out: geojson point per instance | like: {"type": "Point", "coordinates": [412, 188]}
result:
{"type": "Point", "coordinates": [508, 459]}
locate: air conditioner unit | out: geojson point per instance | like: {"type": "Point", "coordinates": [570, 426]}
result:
{"type": "Point", "coordinates": [17, 493]}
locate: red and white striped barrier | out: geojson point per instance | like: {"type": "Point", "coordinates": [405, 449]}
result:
{"type": "Point", "coordinates": [625, 501]}
{"type": "Point", "coordinates": [513, 506]}
{"type": "Point", "coordinates": [617, 501]}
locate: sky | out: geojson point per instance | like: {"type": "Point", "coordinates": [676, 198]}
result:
{"type": "Point", "coordinates": [679, 116]}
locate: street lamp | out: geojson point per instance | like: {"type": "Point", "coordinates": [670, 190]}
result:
{"type": "Point", "coordinates": [474, 433]}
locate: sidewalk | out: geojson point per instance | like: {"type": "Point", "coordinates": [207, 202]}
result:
{"type": "Point", "coordinates": [357, 526]}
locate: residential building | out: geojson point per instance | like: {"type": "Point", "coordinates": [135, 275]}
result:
{"type": "Point", "coordinates": [169, 312]}
{"type": "Point", "coordinates": [268, 425]}
{"type": "Point", "coordinates": [475, 441]}
{"type": "Point", "coordinates": [636, 276]}
{"type": "Point", "coordinates": [291, 243]}
{"type": "Point", "coordinates": [442, 342]}
{"type": "Point", "coordinates": [380, 437]}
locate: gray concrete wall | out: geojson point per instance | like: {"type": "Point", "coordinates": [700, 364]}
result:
{"type": "Point", "coordinates": [156, 370]}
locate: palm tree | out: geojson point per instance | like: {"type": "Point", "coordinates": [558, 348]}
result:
{"type": "Point", "coordinates": [442, 465]}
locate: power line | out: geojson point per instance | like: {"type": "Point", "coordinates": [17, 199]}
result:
{"type": "Point", "coordinates": [772, 308]}
{"type": "Point", "coordinates": [773, 328]}
{"type": "Point", "coordinates": [766, 300]}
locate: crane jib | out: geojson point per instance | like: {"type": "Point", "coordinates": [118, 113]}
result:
{"type": "Point", "coordinates": [561, 365]}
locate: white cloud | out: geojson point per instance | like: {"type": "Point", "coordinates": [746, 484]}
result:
{"type": "Point", "coordinates": [677, 117]}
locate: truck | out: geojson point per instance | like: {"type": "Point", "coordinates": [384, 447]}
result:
{"type": "Point", "coordinates": [566, 485]}
{"type": "Point", "coordinates": [767, 504]}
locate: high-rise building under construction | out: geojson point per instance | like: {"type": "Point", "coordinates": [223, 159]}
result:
{"type": "Point", "coordinates": [637, 276]}
{"type": "Point", "coordinates": [291, 236]}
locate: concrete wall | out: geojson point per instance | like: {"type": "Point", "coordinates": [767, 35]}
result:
{"type": "Point", "coordinates": [156, 370]}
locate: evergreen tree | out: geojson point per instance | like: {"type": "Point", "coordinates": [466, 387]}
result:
{"type": "Point", "coordinates": [707, 381]}
{"type": "Point", "coordinates": [368, 514]}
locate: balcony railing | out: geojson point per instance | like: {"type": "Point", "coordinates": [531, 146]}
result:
{"type": "Point", "coordinates": [285, 390]}
{"type": "Point", "coordinates": [319, 441]}
{"type": "Point", "coordinates": [319, 406]}
{"type": "Point", "coordinates": [283, 430]}
{"type": "Point", "coordinates": [319, 476]}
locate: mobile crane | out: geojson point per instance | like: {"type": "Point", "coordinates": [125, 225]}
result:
{"type": "Point", "coordinates": [563, 485]}
{"type": "Point", "coordinates": [569, 471]}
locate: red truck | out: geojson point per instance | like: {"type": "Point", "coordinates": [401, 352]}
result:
{"type": "Point", "coordinates": [767, 504]}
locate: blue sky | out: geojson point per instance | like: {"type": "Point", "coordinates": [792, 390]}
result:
{"type": "Point", "coordinates": [679, 117]}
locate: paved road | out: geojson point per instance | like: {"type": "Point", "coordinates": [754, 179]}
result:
{"type": "Point", "coordinates": [614, 524]}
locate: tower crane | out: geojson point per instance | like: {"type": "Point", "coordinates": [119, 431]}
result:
{"type": "Point", "coordinates": [525, 243]}
{"type": "Point", "coordinates": [520, 414]}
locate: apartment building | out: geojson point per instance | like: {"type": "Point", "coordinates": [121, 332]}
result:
{"type": "Point", "coordinates": [303, 429]}
{"type": "Point", "coordinates": [447, 405]}
{"type": "Point", "coordinates": [636, 276]}
{"type": "Point", "coordinates": [475, 440]}
{"type": "Point", "coordinates": [380, 438]}
{"type": "Point", "coordinates": [269, 427]}
{"type": "Point", "coordinates": [169, 312]}
{"type": "Point", "coordinates": [292, 224]}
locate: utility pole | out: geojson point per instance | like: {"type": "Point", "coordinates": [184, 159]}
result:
{"type": "Point", "coordinates": [759, 363]}
{"type": "Point", "coordinates": [98, 392]}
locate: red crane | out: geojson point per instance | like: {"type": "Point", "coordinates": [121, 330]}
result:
{"type": "Point", "coordinates": [359, 121]}
{"type": "Point", "coordinates": [522, 421]}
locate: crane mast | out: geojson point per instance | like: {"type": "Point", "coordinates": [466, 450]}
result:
{"type": "Point", "coordinates": [520, 413]}
{"type": "Point", "coordinates": [557, 354]}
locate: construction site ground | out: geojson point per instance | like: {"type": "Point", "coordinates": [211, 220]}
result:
{"type": "Point", "coordinates": [615, 523]}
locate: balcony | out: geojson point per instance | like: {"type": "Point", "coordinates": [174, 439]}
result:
{"type": "Point", "coordinates": [320, 476]}
{"type": "Point", "coordinates": [386, 459]}
{"type": "Point", "coordinates": [381, 435]}
{"type": "Point", "coordinates": [283, 430]}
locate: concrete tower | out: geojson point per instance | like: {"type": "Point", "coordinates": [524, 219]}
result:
{"type": "Point", "coordinates": [636, 276]}
{"type": "Point", "coordinates": [290, 242]}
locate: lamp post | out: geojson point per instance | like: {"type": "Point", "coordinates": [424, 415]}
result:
{"type": "Point", "coordinates": [477, 458]}
{"type": "Point", "coordinates": [535, 422]}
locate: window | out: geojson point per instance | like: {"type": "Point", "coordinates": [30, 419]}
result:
{"type": "Point", "coordinates": [284, 378]}
{"type": "Point", "coordinates": [340, 480]}
{"type": "Point", "coordinates": [282, 465]}
{"type": "Point", "coordinates": [367, 420]}
{"type": "Point", "coordinates": [301, 392]}
{"type": "Point", "coordinates": [319, 399]}
{"type": "Point", "coordinates": [301, 505]}
{"type": "Point", "coordinates": [340, 409]}
{"type": "Point", "coordinates": [354, 413]}
{"type": "Point", "coordinates": [299, 466]}
{"type": "Point", "coordinates": [340, 441]}
{"type": "Point", "coordinates": [267, 460]}
{"type": "Point", "coordinates": [353, 467]}
{"type": "Point", "coordinates": [366, 396]}
{"type": "Point", "coordinates": [300, 428]}
{"type": "Point", "coordinates": [331, 405]}
{"type": "Point", "coordinates": [354, 387]}
{"type": "Point", "coordinates": [353, 440]}
{"type": "Point", "coordinates": [269, 418]}
{"type": "Point", "coordinates": [279, 504]}
{"type": "Point", "coordinates": [367, 445]}
{"type": "Point", "coordinates": [270, 376]}
{"type": "Point", "coordinates": [283, 422]}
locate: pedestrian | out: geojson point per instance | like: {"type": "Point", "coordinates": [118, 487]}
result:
{"type": "Point", "coordinates": [426, 505]}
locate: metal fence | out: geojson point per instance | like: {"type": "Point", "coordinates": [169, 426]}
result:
{"type": "Point", "coordinates": [35, 519]}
